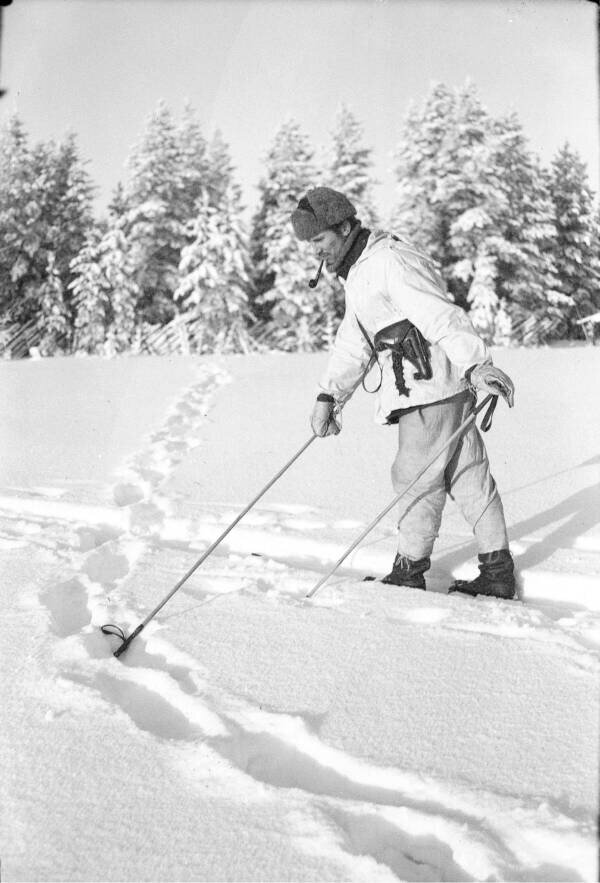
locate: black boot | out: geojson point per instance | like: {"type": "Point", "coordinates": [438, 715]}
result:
{"type": "Point", "coordinates": [496, 577]}
{"type": "Point", "coordinates": [408, 572]}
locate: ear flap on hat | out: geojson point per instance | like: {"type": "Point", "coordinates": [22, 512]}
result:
{"type": "Point", "coordinates": [304, 221]}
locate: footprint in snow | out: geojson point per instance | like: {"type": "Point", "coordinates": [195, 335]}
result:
{"type": "Point", "coordinates": [67, 604]}
{"type": "Point", "coordinates": [92, 537]}
{"type": "Point", "coordinates": [127, 493]}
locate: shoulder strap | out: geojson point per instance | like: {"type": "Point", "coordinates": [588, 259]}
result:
{"type": "Point", "coordinates": [373, 359]}
{"type": "Point", "coordinates": [366, 336]}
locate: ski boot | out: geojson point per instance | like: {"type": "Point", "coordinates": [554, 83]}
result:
{"type": "Point", "coordinates": [408, 572]}
{"type": "Point", "coordinates": [496, 577]}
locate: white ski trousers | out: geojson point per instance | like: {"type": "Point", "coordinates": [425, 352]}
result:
{"type": "Point", "coordinates": [462, 472]}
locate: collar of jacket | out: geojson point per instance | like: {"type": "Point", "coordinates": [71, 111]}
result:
{"type": "Point", "coordinates": [353, 248]}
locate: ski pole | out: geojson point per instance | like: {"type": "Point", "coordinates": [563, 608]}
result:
{"type": "Point", "coordinates": [110, 629]}
{"type": "Point", "coordinates": [491, 399]}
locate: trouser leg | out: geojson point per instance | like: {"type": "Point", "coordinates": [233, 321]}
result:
{"type": "Point", "coordinates": [471, 485]}
{"type": "Point", "coordinates": [462, 472]}
{"type": "Point", "coordinates": [421, 432]}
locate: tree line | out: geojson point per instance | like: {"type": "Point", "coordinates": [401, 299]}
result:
{"type": "Point", "coordinates": [517, 243]}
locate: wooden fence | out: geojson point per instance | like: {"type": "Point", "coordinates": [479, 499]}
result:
{"type": "Point", "coordinates": [17, 341]}
{"type": "Point", "coordinates": [183, 335]}
{"type": "Point", "coordinates": [534, 330]}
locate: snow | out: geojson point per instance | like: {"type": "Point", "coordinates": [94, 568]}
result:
{"type": "Point", "coordinates": [369, 734]}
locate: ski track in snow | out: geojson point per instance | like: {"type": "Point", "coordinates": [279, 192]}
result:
{"type": "Point", "coordinates": [413, 827]}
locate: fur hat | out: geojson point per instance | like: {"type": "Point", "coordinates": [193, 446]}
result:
{"type": "Point", "coordinates": [319, 210]}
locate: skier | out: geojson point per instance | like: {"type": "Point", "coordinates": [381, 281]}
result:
{"type": "Point", "coordinates": [431, 361]}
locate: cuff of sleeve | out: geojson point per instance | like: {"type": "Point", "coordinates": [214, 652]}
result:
{"type": "Point", "coordinates": [325, 397]}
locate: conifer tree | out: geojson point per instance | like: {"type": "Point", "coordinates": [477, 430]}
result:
{"type": "Point", "coordinates": [195, 162]}
{"type": "Point", "coordinates": [482, 298]}
{"type": "Point", "coordinates": [90, 297]}
{"type": "Point", "coordinates": [52, 318]}
{"type": "Point", "coordinates": [420, 214]}
{"type": "Point", "coordinates": [577, 255]}
{"type": "Point", "coordinates": [220, 174]}
{"type": "Point", "coordinates": [213, 276]}
{"type": "Point", "coordinates": [117, 206]}
{"type": "Point", "coordinates": [527, 273]}
{"type": "Point", "coordinates": [299, 318]}
{"type": "Point", "coordinates": [124, 292]}
{"type": "Point", "coordinates": [349, 166]}
{"type": "Point", "coordinates": [262, 277]}
{"type": "Point", "coordinates": [449, 196]}
{"type": "Point", "coordinates": [105, 294]}
{"type": "Point", "coordinates": [19, 210]}
{"type": "Point", "coordinates": [70, 211]}
{"type": "Point", "coordinates": [45, 212]}
{"type": "Point", "coordinates": [448, 188]}
{"type": "Point", "coordinates": [159, 205]}
{"type": "Point", "coordinates": [348, 169]}
{"type": "Point", "coordinates": [476, 199]}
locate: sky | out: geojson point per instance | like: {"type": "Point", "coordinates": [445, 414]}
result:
{"type": "Point", "coordinates": [99, 68]}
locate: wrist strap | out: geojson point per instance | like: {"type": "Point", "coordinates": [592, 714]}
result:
{"type": "Point", "coordinates": [486, 423]}
{"type": "Point", "coordinates": [325, 397]}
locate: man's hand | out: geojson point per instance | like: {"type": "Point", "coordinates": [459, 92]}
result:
{"type": "Point", "coordinates": [488, 378]}
{"type": "Point", "coordinates": [322, 420]}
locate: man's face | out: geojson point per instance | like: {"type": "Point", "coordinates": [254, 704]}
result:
{"type": "Point", "coordinates": [328, 246]}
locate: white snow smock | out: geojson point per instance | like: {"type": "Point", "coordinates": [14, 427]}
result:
{"type": "Point", "coordinates": [389, 282]}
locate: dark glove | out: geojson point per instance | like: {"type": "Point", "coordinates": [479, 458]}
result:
{"type": "Point", "coordinates": [488, 378]}
{"type": "Point", "coordinates": [322, 420]}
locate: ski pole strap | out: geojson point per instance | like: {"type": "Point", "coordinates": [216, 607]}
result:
{"type": "Point", "coordinates": [486, 422]}
{"type": "Point", "coordinates": [110, 629]}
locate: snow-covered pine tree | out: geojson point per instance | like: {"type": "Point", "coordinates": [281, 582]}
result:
{"type": "Point", "coordinates": [52, 318]}
{"type": "Point", "coordinates": [123, 290]}
{"type": "Point", "coordinates": [90, 297]}
{"type": "Point", "coordinates": [45, 212]}
{"type": "Point", "coordinates": [262, 276]}
{"type": "Point", "coordinates": [527, 277]}
{"type": "Point", "coordinates": [474, 204]}
{"type": "Point", "coordinates": [482, 297]}
{"type": "Point", "coordinates": [70, 210]}
{"type": "Point", "coordinates": [349, 165]}
{"type": "Point", "coordinates": [160, 202]}
{"type": "Point", "coordinates": [195, 163]}
{"type": "Point", "coordinates": [105, 294]}
{"type": "Point", "coordinates": [348, 168]}
{"type": "Point", "coordinates": [213, 276]}
{"type": "Point", "coordinates": [503, 329]}
{"type": "Point", "coordinates": [220, 175]}
{"type": "Point", "coordinates": [474, 197]}
{"type": "Point", "coordinates": [117, 206]}
{"type": "Point", "coordinates": [448, 192]}
{"type": "Point", "coordinates": [19, 210]}
{"type": "Point", "coordinates": [448, 198]}
{"type": "Point", "coordinates": [299, 318]}
{"type": "Point", "coordinates": [577, 255]}
{"type": "Point", "coordinates": [419, 214]}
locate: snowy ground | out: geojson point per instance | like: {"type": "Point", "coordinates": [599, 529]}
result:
{"type": "Point", "coordinates": [370, 734]}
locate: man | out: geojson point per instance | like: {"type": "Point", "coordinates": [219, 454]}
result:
{"type": "Point", "coordinates": [430, 362]}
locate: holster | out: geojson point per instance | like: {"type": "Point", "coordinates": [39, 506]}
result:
{"type": "Point", "coordinates": [405, 341]}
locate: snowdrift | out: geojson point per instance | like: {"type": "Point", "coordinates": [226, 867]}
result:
{"type": "Point", "coordinates": [371, 734]}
